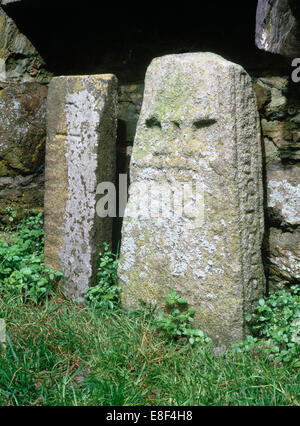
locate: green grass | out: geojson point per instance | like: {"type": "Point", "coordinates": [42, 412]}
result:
{"type": "Point", "coordinates": [76, 356]}
{"type": "Point", "coordinates": [63, 354]}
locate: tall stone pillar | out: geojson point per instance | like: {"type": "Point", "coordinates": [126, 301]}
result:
{"type": "Point", "coordinates": [80, 154]}
{"type": "Point", "coordinates": [194, 220]}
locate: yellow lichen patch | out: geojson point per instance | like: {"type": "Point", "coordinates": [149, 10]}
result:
{"type": "Point", "coordinates": [37, 150]}
{"type": "Point", "coordinates": [133, 87]}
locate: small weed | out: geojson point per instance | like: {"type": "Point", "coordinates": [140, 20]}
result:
{"type": "Point", "coordinates": [176, 321]}
{"type": "Point", "coordinates": [105, 295]}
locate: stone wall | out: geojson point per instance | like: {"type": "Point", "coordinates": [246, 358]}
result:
{"type": "Point", "coordinates": [279, 107]}
{"type": "Point", "coordinates": [22, 142]}
{"type": "Point", "coordinates": [23, 95]}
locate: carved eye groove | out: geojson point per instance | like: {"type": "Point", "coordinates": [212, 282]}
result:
{"type": "Point", "coordinates": [199, 124]}
{"type": "Point", "coordinates": [176, 124]}
{"type": "Point", "coordinates": [153, 122]}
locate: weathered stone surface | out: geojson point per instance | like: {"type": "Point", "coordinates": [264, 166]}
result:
{"type": "Point", "coordinates": [21, 193]}
{"type": "Point", "coordinates": [130, 97]}
{"type": "Point", "coordinates": [80, 154]}
{"type": "Point", "coordinates": [263, 95]}
{"type": "Point", "coordinates": [277, 27]}
{"type": "Point", "coordinates": [130, 101]}
{"type": "Point", "coordinates": [271, 93]}
{"type": "Point", "coordinates": [284, 258]}
{"type": "Point", "coordinates": [284, 194]}
{"type": "Point", "coordinates": [23, 128]}
{"type": "Point", "coordinates": [19, 60]}
{"type": "Point", "coordinates": [282, 134]}
{"type": "Point", "coordinates": [284, 218]}
{"type": "Point", "coordinates": [279, 112]}
{"type": "Point", "coordinates": [275, 82]}
{"type": "Point", "coordinates": [199, 123]}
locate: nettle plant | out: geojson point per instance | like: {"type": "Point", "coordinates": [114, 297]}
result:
{"type": "Point", "coordinates": [105, 295]}
{"type": "Point", "coordinates": [176, 320]}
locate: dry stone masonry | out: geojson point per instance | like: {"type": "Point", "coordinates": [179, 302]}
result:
{"type": "Point", "coordinates": [80, 154]}
{"type": "Point", "coordinates": [199, 123]}
{"type": "Point", "coordinates": [22, 146]}
{"type": "Point", "coordinates": [23, 94]}
{"type": "Point", "coordinates": [280, 121]}
{"type": "Point", "coordinates": [19, 59]}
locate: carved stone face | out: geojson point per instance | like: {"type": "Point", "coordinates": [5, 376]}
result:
{"type": "Point", "coordinates": [178, 119]}
{"type": "Point", "coordinates": [198, 123]}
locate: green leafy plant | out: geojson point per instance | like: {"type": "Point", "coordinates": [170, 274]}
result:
{"type": "Point", "coordinates": [12, 214]}
{"type": "Point", "coordinates": [176, 321]}
{"type": "Point", "coordinates": [105, 295]}
{"type": "Point", "coordinates": [275, 325]}
{"type": "Point", "coordinates": [22, 268]}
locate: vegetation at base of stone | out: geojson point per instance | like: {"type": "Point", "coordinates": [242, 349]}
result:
{"type": "Point", "coordinates": [176, 322]}
{"type": "Point", "coordinates": [22, 269]}
{"type": "Point", "coordinates": [12, 214]}
{"type": "Point", "coordinates": [276, 327]}
{"type": "Point", "coordinates": [60, 353]}
{"type": "Point", "coordinates": [71, 355]}
{"type": "Point", "coordinates": [105, 295]}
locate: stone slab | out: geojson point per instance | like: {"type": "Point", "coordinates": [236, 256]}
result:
{"type": "Point", "coordinates": [199, 124]}
{"type": "Point", "coordinates": [80, 154]}
{"type": "Point", "coordinates": [278, 27]}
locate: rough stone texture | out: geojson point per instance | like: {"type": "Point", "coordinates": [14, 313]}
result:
{"type": "Point", "coordinates": [284, 221]}
{"type": "Point", "coordinates": [23, 120]}
{"type": "Point", "coordinates": [19, 60]}
{"type": "Point", "coordinates": [199, 123]}
{"type": "Point", "coordinates": [281, 127]}
{"type": "Point", "coordinates": [280, 116]}
{"type": "Point", "coordinates": [130, 101]}
{"type": "Point", "coordinates": [284, 194]}
{"type": "Point", "coordinates": [284, 258]}
{"type": "Point", "coordinates": [280, 119]}
{"type": "Point", "coordinates": [23, 128]}
{"type": "Point", "coordinates": [80, 154]}
{"type": "Point", "coordinates": [130, 97]}
{"type": "Point", "coordinates": [21, 193]}
{"type": "Point", "coordinates": [277, 27]}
